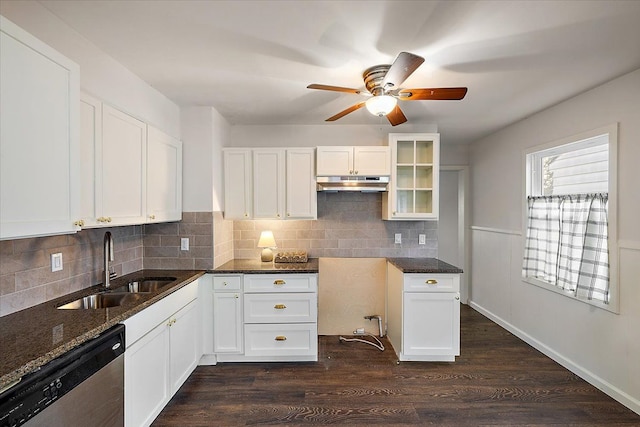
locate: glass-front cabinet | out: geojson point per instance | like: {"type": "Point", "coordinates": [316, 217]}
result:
{"type": "Point", "coordinates": [413, 190]}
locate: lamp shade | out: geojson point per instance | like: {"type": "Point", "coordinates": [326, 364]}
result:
{"type": "Point", "coordinates": [381, 105]}
{"type": "Point", "coordinates": [266, 240]}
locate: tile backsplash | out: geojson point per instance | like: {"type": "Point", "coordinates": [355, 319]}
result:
{"type": "Point", "coordinates": [349, 225]}
{"type": "Point", "coordinates": [25, 264]}
{"type": "Point", "coordinates": [26, 278]}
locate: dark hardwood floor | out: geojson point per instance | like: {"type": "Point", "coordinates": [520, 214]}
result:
{"type": "Point", "coordinates": [498, 380]}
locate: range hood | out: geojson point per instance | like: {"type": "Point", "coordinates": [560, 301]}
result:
{"type": "Point", "coordinates": [364, 184]}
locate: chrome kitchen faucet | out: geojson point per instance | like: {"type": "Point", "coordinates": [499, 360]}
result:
{"type": "Point", "coordinates": [108, 256]}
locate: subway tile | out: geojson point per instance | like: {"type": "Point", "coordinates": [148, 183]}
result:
{"type": "Point", "coordinates": [203, 264]}
{"type": "Point", "coordinates": [7, 284]}
{"type": "Point", "coordinates": [203, 241]}
{"type": "Point", "coordinates": [162, 252]}
{"type": "Point", "coordinates": [152, 240]}
{"type": "Point", "coordinates": [193, 229]}
{"type": "Point", "coordinates": [204, 217]}
{"type": "Point", "coordinates": [171, 240]}
{"type": "Point", "coordinates": [162, 229]}
{"type": "Point", "coordinates": [6, 247]}
{"type": "Point", "coordinates": [188, 218]}
{"type": "Point", "coordinates": [22, 299]}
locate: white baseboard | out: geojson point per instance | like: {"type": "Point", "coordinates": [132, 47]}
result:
{"type": "Point", "coordinates": [607, 388]}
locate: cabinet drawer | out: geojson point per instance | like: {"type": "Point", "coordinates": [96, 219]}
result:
{"type": "Point", "coordinates": [230, 283]}
{"type": "Point", "coordinates": [281, 340]}
{"type": "Point", "coordinates": [431, 282]}
{"type": "Point", "coordinates": [280, 308]}
{"type": "Point", "coordinates": [280, 283]}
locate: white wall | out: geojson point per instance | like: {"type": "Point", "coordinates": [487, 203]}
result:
{"type": "Point", "coordinates": [100, 74]}
{"type": "Point", "coordinates": [314, 135]}
{"type": "Point", "coordinates": [600, 346]}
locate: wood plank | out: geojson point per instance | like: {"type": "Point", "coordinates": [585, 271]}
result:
{"type": "Point", "coordinates": [497, 380]}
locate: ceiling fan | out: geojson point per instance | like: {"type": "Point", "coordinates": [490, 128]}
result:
{"type": "Point", "coordinates": [382, 83]}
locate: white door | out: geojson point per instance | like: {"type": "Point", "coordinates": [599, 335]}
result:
{"type": "Point", "coordinates": [431, 324]}
{"type": "Point", "coordinates": [164, 177]}
{"type": "Point", "coordinates": [123, 163]}
{"type": "Point", "coordinates": [372, 161]}
{"type": "Point", "coordinates": [237, 184]}
{"type": "Point", "coordinates": [146, 379]}
{"type": "Point", "coordinates": [301, 184]}
{"type": "Point", "coordinates": [90, 144]}
{"type": "Point", "coordinates": [268, 183]}
{"type": "Point", "coordinates": [334, 160]}
{"type": "Point", "coordinates": [227, 322]}
{"type": "Point", "coordinates": [184, 345]}
{"type": "Point", "coordinates": [452, 240]}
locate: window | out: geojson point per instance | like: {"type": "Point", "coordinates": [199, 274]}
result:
{"type": "Point", "coordinates": [570, 217]}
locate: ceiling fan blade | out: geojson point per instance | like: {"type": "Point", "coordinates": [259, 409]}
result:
{"type": "Point", "coordinates": [443, 93]}
{"type": "Point", "coordinates": [345, 112]}
{"type": "Point", "coordinates": [404, 65]}
{"type": "Point", "coordinates": [336, 89]}
{"type": "Point", "coordinates": [396, 116]}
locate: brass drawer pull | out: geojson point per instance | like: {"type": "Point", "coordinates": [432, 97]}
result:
{"type": "Point", "coordinates": [279, 282]}
{"type": "Point", "coordinates": [281, 338]}
{"type": "Point", "coordinates": [431, 282]}
{"type": "Point", "coordinates": [279, 306]}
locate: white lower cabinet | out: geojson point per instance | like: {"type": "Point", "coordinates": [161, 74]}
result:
{"type": "Point", "coordinates": [265, 317]}
{"type": "Point", "coordinates": [423, 315]}
{"type": "Point", "coordinates": [163, 348]}
{"type": "Point", "coordinates": [227, 314]}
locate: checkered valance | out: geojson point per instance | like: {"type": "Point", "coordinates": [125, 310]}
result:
{"type": "Point", "coordinates": [566, 244]}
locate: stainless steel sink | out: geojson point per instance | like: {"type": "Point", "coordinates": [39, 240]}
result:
{"type": "Point", "coordinates": [102, 300]}
{"type": "Point", "coordinates": [145, 284]}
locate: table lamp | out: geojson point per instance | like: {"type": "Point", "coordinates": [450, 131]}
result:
{"type": "Point", "coordinates": [267, 242]}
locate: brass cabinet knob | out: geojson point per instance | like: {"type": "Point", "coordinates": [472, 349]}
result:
{"type": "Point", "coordinates": [79, 223]}
{"type": "Point", "coordinates": [152, 216]}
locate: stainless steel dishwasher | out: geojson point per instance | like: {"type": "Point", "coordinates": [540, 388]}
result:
{"type": "Point", "coordinates": [83, 388]}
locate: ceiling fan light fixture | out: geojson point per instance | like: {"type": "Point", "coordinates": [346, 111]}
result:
{"type": "Point", "coordinates": [381, 105]}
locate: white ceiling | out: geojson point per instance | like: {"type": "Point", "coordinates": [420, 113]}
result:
{"type": "Point", "coordinates": [252, 60]}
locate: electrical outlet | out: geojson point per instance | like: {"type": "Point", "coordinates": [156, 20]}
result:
{"type": "Point", "coordinates": [422, 239]}
{"type": "Point", "coordinates": [184, 244]}
{"type": "Point", "coordinates": [398, 238]}
{"type": "Point", "coordinates": [56, 262]}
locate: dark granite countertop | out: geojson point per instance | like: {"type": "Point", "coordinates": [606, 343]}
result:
{"type": "Point", "coordinates": [32, 337]}
{"type": "Point", "coordinates": [253, 266]}
{"type": "Point", "coordinates": [424, 265]}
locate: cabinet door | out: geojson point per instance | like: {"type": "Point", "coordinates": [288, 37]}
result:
{"type": "Point", "coordinates": [164, 177]}
{"type": "Point", "coordinates": [39, 138]}
{"type": "Point", "coordinates": [184, 344]}
{"type": "Point", "coordinates": [431, 324]}
{"type": "Point", "coordinates": [371, 161]}
{"type": "Point", "coordinates": [227, 322]}
{"type": "Point", "coordinates": [302, 198]}
{"type": "Point", "coordinates": [121, 197]}
{"type": "Point", "coordinates": [146, 386]}
{"type": "Point", "coordinates": [268, 183]}
{"type": "Point", "coordinates": [90, 144]}
{"type": "Point", "coordinates": [332, 161]}
{"type": "Point", "coordinates": [237, 184]}
{"type": "Point", "coordinates": [413, 187]}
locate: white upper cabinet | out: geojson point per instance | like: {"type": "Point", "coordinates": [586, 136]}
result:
{"type": "Point", "coordinates": [131, 173]}
{"type": "Point", "coordinates": [413, 189]}
{"type": "Point", "coordinates": [358, 160]}
{"type": "Point", "coordinates": [237, 183]}
{"type": "Point", "coordinates": [268, 183]}
{"type": "Point", "coordinates": [121, 185]}
{"type": "Point", "coordinates": [302, 198]}
{"type": "Point", "coordinates": [39, 138]}
{"type": "Point", "coordinates": [164, 177]}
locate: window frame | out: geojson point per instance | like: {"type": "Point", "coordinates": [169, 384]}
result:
{"type": "Point", "coordinates": [530, 188]}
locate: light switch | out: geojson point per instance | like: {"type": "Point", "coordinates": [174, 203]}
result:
{"type": "Point", "coordinates": [184, 244]}
{"type": "Point", "coordinates": [56, 262]}
{"type": "Point", "coordinates": [398, 238]}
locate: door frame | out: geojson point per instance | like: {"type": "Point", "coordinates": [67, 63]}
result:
{"type": "Point", "coordinates": [464, 238]}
